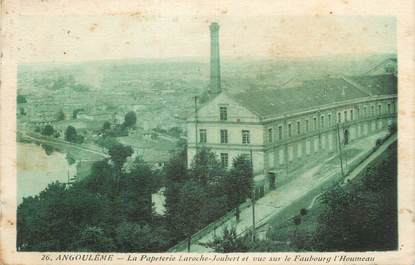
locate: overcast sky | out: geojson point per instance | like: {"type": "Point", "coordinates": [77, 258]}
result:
{"type": "Point", "coordinates": [83, 38]}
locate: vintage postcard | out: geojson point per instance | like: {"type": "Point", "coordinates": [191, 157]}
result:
{"type": "Point", "coordinates": [199, 132]}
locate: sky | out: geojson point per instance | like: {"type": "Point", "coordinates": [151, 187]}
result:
{"type": "Point", "coordinates": [120, 36]}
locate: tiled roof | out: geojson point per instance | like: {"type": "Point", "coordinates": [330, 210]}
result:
{"type": "Point", "coordinates": [314, 93]}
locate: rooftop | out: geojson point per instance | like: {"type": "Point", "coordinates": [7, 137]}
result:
{"type": "Point", "coordinates": [313, 93]}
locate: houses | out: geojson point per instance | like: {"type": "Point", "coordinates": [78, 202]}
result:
{"type": "Point", "coordinates": [155, 152]}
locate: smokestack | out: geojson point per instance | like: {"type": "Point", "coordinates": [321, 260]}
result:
{"type": "Point", "coordinates": [214, 59]}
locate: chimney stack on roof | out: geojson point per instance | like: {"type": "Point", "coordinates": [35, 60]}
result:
{"type": "Point", "coordinates": [215, 82]}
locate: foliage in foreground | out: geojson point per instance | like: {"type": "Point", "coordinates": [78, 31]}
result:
{"type": "Point", "coordinates": [361, 216]}
{"type": "Point", "coordinates": [111, 209]}
{"type": "Point", "coordinates": [106, 211]}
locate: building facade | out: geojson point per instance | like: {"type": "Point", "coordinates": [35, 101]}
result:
{"type": "Point", "coordinates": [283, 126]}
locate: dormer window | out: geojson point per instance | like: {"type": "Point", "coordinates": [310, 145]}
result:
{"type": "Point", "coordinates": [223, 112]}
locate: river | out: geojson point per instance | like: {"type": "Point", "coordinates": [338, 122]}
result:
{"type": "Point", "coordinates": [36, 169]}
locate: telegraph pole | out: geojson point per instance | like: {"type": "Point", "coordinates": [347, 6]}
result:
{"type": "Point", "coordinates": [196, 97]}
{"type": "Point", "coordinates": [253, 202]}
{"type": "Point", "coordinates": [340, 150]}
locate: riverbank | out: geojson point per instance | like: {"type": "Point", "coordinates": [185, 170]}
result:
{"type": "Point", "coordinates": [36, 169]}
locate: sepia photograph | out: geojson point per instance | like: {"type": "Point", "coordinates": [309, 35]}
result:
{"type": "Point", "coordinates": [209, 152]}
{"type": "Point", "coordinates": [191, 136]}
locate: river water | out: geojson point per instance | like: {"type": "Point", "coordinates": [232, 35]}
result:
{"type": "Point", "coordinates": [36, 169]}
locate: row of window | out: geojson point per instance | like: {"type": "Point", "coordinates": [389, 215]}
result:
{"type": "Point", "coordinates": [344, 116]}
{"type": "Point", "coordinates": [223, 113]}
{"type": "Point", "coordinates": [246, 139]}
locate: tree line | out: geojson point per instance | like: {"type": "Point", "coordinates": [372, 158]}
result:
{"type": "Point", "coordinates": [111, 209]}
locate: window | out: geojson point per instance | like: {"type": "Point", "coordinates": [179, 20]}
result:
{"type": "Point", "coordinates": [329, 118]}
{"type": "Point", "coordinates": [389, 108]}
{"type": "Point", "coordinates": [202, 135]}
{"type": "Point", "coordinates": [364, 111]}
{"type": "Point", "coordinates": [379, 109]}
{"type": "Point", "coordinates": [358, 112]}
{"type": "Point", "coordinates": [339, 117]}
{"type": "Point", "coordinates": [373, 111]}
{"type": "Point", "coordinates": [345, 115]}
{"type": "Point", "coordinates": [351, 115]}
{"type": "Point", "coordinates": [306, 126]}
{"type": "Point", "coordinates": [322, 121]}
{"type": "Point", "coordinates": [298, 128]}
{"type": "Point", "coordinates": [289, 130]}
{"type": "Point", "coordinates": [223, 113]}
{"type": "Point", "coordinates": [223, 136]}
{"type": "Point", "coordinates": [279, 132]}
{"type": "Point", "coordinates": [315, 123]}
{"type": "Point", "coordinates": [245, 137]}
{"type": "Point", "coordinates": [224, 159]}
{"type": "Point", "coordinates": [270, 135]}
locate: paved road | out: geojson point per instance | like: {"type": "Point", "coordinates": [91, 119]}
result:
{"type": "Point", "coordinates": [269, 206]}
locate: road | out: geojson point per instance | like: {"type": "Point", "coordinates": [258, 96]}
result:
{"type": "Point", "coordinates": [61, 143]}
{"type": "Point", "coordinates": [274, 202]}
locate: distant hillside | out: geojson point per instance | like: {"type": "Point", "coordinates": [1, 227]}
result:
{"type": "Point", "coordinates": [236, 73]}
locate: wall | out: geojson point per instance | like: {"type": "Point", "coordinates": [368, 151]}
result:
{"type": "Point", "coordinates": [238, 119]}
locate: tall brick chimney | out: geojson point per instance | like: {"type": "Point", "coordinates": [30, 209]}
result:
{"type": "Point", "coordinates": [214, 59]}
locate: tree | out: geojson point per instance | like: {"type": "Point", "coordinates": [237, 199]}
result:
{"type": "Point", "coordinates": [206, 167]}
{"type": "Point", "coordinates": [132, 237]}
{"type": "Point", "coordinates": [136, 189]}
{"type": "Point", "coordinates": [176, 174]}
{"type": "Point", "coordinates": [94, 239]}
{"type": "Point", "coordinates": [190, 211]}
{"type": "Point", "coordinates": [60, 116]}
{"type": "Point", "coordinates": [106, 126]}
{"type": "Point", "coordinates": [229, 241]}
{"type": "Point", "coordinates": [239, 183]}
{"type": "Point", "coordinates": [362, 217]}
{"type": "Point", "coordinates": [107, 142]}
{"type": "Point", "coordinates": [48, 149]}
{"type": "Point", "coordinates": [101, 180]}
{"type": "Point", "coordinates": [119, 154]}
{"type": "Point", "coordinates": [344, 225]}
{"type": "Point", "coordinates": [48, 130]}
{"type": "Point", "coordinates": [70, 134]}
{"type": "Point", "coordinates": [52, 220]}
{"type": "Point", "coordinates": [175, 131]}
{"type": "Point", "coordinates": [130, 119]}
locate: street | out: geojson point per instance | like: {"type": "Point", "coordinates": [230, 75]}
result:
{"type": "Point", "coordinates": [269, 206]}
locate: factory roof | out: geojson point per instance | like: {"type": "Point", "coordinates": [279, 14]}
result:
{"type": "Point", "coordinates": [314, 93]}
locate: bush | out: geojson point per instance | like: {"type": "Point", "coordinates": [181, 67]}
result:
{"type": "Point", "coordinates": [379, 141]}
{"type": "Point", "coordinates": [48, 130]}
{"type": "Point", "coordinates": [303, 211]}
{"type": "Point", "coordinates": [130, 119]}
